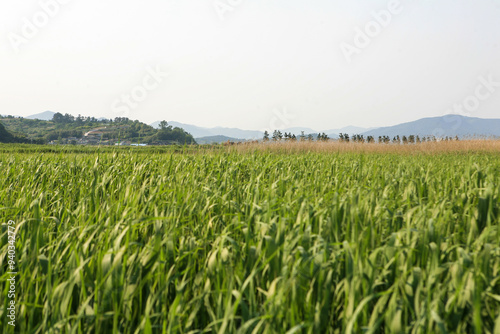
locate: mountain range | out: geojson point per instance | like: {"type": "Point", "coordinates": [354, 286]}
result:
{"type": "Point", "coordinates": [200, 132]}
{"type": "Point", "coordinates": [442, 126]}
{"type": "Point", "coordinates": [43, 116]}
{"type": "Point", "coordinates": [218, 134]}
{"type": "Point", "coordinates": [448, 125]}
{"type": "Point", "coordinates": [234, 133]}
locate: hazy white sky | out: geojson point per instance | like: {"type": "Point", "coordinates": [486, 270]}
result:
{"type": "Point", "coordinates": [251, 64]}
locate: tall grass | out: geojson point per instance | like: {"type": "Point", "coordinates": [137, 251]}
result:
{"type": "Point", "coordinates": [225, 242]}
{"type": "Point", "coordinates": [434, 147]}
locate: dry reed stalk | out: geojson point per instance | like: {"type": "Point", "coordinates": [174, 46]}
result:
{"type": "Point", "coordinates": [465, 146]}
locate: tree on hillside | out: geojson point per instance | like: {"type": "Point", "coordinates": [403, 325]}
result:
{"type": "Point", "coordinates": [79, 120]}
{"type": "Point", "coordinates": [59, 118]}
{"type": "Point", "coordinates": [176, 134]}
{"type": "Point", "coordinates": [121, 120]}
{"type": "Point", "coordinates": [163, 124]}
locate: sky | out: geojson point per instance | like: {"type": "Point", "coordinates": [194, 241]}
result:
{"type": "Point", "coordinates": [321, 64]}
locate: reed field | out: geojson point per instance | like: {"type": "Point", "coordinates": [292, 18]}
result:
{"type": "Point", "coordinates": [253, 239]}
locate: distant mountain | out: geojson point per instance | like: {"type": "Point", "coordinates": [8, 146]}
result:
{"type": "Point", "coordinates": [217, 140]}
{"type": "Point", "coordinates": [449, 125]}
{"type": "Point", "coordinates": [199, 132]}
{"type": "Point", "coordinates": [237, 133]}
{"type": "Point", "coordinates": [350, 130]}
{"type": "Point", "coordinates": [44, 116]}
{"type": "Point", "coordinates": [297, 131]}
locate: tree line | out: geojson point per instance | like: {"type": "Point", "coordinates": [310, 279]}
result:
{"type": "Point", "coordinates": [411, 139]}
{"type": "Point", "coordinates": [278, 136]}
{"type": "Point", "coordinates": [356, 138]}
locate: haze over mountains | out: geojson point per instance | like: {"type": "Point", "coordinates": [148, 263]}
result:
{"type": "Point", "coordinates": [44, 116]}
{"type": "Point", "coordinates": [235, 133]}
{"type": "Point", "coordinates": [199, 132]}
{"type": "Point", "coordinates": [448, 125]}
{"type": "Point", "coordinates": [442, 126]}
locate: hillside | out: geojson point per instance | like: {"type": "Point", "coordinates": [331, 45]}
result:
{"type": "Point", "coordinates": [67, 129]}
{"type": "Point", "coordinates": [5, 136]}
{"type": "Point", "coordinates": [8, 137]}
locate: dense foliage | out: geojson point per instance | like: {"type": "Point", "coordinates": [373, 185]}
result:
{"type": "Point", "coordinates": [219, 242]}
{"type": "Point", "coordinates": [67, 129]}
{"type": "Point", "coordinates": [5, 136]}
{"type": "Point", "coordinates": [8, 137]}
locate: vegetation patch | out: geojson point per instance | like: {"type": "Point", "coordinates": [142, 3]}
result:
{"type": "Point", "coordinates": [112, 240]}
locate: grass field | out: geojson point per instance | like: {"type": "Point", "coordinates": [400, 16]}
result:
{"type": "Point", "coordinates": [252, 240]}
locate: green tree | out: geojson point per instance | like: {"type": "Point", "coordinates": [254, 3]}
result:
{"type": "Point", "coordinates": [266, 136]}
{"type": "Point", "coordinates": [277, 135]}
